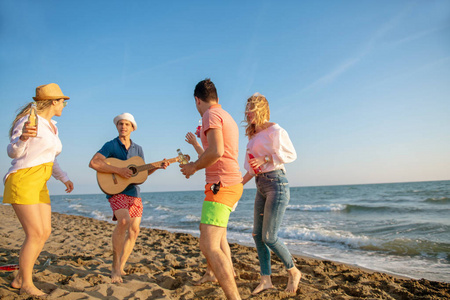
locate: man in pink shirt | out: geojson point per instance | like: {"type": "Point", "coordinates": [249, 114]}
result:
{"type": "Point", "coordinates": [220, 139]}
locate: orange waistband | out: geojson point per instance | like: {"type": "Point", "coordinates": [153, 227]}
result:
{"type": "Point", "coordinates": [227, 195]}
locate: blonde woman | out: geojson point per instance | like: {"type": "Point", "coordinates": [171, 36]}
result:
{"type": "Point", "coordinates": [268, 149]}
{"type": "Point", "coordinates": [34, 150]}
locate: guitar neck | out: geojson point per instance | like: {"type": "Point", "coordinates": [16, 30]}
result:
{"type": "Point", "coordinates": [155, 165]}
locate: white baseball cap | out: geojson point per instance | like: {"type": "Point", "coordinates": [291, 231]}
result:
{"type": "Point", "coordinates": [126, 116]}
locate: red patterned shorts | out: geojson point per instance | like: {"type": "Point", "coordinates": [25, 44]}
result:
{"type": "Point", "coordinates": [121, 201]}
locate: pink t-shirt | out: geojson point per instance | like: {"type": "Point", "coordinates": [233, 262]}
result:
{"type": "Point", "coordinates": [226, 169]}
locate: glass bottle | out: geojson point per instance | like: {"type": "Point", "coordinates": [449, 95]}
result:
{"type": "Point", "coordinates": [32, 118]}
{"type": "Point", "coordinates": [181, 157]}
{"type": "Point", "coordinates": [199, 128]}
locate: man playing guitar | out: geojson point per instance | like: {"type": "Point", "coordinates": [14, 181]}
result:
{"type": "Point", "coordinates": [126, 205]}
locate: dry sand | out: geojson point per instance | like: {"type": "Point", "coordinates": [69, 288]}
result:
{"type": "Point", "coordinates": [164, 265]}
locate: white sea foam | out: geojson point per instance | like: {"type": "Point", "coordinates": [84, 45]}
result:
{"type": "Point", "coordinates": [100, 216]}
{"type": "Point", "coordinates": [75, 206]}
{"type": "Point", "coordinates": [162, 208]}
{"type": "Point", "coordinates": [318, 208]}
{"type": "Point", "coordinates": [190, 219]}
{"type": "Point", "coordinates": [79, 208]}
{"type": "Point", "coordinates": [148, 219]}
{"type": "Point", "coordinates": [240, 226]}
{"type": "Point", "coordinates": [324, 235]}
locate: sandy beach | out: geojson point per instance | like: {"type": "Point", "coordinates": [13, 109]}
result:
{"type": "Point", "coordinates": [164, 266]}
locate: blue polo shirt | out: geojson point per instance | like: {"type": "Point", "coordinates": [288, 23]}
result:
{"type": "Point", "coordinates": [115, 148]}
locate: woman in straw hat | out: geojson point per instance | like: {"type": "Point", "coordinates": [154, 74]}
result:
{"type": "Point", "coordinates": [268, 149]}
{"type": "Point", "coordinates": [34, 150]}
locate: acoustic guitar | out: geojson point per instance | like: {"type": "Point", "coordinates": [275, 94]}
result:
{"type": "Point", "coordinates": [111, 183]}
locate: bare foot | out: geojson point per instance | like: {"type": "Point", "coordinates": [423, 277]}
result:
{"type": "Point", "coordinates": [123, 273]}
{"type": "Point", "coordinates": [294, 278]}
{"type": "Point", "coordinates": [208, 277]}
{"type": "Point", "coordinates": [17, 282]}
{"type": "Point", "coordinates": [265, 284]}
{"type": "Point", "coordinates": [32, 291]}
{"type": "Point", "coordinates": [116, 277]}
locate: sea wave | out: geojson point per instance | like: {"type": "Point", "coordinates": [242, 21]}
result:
{"type": "Point", "coordinates": [350, 208]}
{"type": "Point", "coordinates": [162, 208]}
{"type": "Point", "coordinates": [100, 216]}
{"type": "Point", "coordinates": [75, 206]}
{"type": "Point", "coordinates": [148, 218]}
{"type": "Point", "coordinates": [411, 247]}
{"type": "Point", "coordinates": [240, 226]}
{"type": "Point", "coordinates": [80, 208]}
{"type": "Point", "coordinates": [190, 219]}
{"type": "Point", "coordinates": [366, 208]}
{"type": "Point", "coordinates": [399, 246]}
{"type": "Point", "coordinates": [325, 236]}
{"type": "Point", "coordinates": [442, 200]}
{"type": "Point", "coordinates": [318, 208]}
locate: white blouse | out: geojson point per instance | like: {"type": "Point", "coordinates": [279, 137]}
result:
{"type": "Point", "coordinates": [36, 150]}
{"type": "Point", "coordinates": [273, 141]}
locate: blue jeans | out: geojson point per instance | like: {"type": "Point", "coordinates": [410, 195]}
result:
{"type": "Point", "coordinates": [272, 198]}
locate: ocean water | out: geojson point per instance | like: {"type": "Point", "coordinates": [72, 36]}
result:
{"type": "Point", "coordinates": [399, 228]}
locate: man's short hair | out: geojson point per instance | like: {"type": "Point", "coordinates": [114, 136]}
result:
{"type": "Point", "coordinates": [206, 91]}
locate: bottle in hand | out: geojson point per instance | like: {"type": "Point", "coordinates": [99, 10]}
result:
{"type": "Point", "coordinates": [181, 157]}
{"type": "Point", "coordinates": [250, 156]}
{"type": "Point", "coordinates": [32, 118]}
{"type": "Point", "coordinates": [199, 128]}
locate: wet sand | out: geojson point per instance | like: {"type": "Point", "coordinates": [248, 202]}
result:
{"type": "Point", "coordinates": [164, 266]}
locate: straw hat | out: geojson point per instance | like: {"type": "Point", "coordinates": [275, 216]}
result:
{"type": "Point", "coordinates": [125, 116]}
{"type": "Point", "coordinates": [49, 91]}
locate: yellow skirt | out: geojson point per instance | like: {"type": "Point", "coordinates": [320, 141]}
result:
{"type": "Point", "coordinates": [28, 186]}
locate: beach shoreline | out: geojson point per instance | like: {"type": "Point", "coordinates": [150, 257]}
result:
{"type": "Point", "coordinates": [164, 265]}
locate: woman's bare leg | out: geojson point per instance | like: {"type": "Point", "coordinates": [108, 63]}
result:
{"type": "Point", "coordinates": [36, 222]}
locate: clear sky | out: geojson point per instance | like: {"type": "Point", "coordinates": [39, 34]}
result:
{"type": "Point", "coordinates": [362, 87]}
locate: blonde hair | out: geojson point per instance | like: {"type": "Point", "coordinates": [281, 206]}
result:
{"type": "Point", "coordinates": [259, 106]}
{"type": "Point", "coordinates": [41, 106]}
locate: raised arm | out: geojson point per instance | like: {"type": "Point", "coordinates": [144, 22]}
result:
{"type": "Point", "coordinates": [19, 139]}
{"type": "Point", "coordinates": [191, 139]}
{"type": "Point", "coordinates": [211, 155]}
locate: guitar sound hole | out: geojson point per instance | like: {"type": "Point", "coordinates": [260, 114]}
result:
{"type": "Point", "coordinates": [133, 168]}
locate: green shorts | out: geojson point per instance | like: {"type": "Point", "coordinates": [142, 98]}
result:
{"type": "Point", "coordinates": [217, 207]}
{"type": "Point", "coordinates": [214, 213]}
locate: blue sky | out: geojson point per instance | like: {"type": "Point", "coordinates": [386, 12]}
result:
{"type": "Point", "coordinates": [362, 87]}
